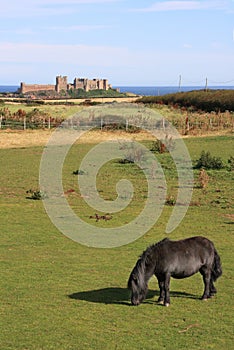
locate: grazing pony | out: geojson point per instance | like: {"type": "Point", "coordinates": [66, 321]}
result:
{"type": "Point", "coordinates": [177, 259]}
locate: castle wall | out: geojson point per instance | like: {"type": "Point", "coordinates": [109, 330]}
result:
{"type": "Point", "coordinates": [62, 84]}
{"type": "Point", "coordinates": [93, 84]}
{"type": "Point", "coordinates": [24, 88]}
{"type": "Point", "coordinates": [79, 83]}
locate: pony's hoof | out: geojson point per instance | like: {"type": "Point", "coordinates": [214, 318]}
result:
{"type": "Point", "coordinates": [212, 295]}
{"type": "Point", "coordinates": [166, 304]}
{"type": "Point", "coordinates": [160, 302]}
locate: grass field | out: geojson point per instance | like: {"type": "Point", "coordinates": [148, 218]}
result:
{"type": "Point", "coordinates": [58, 294]}
{"type": "Point", "coordinates": [56, 111]}
{"type": "Point", "coordinates": [187, 121]}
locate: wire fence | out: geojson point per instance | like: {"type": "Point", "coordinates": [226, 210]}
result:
{"type": "Point", "coordinates": [8, 123]}
{"type": "Point", "coordinates": [185, 125]}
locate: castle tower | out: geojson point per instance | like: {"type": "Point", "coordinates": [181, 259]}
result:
{"type": "Point", "coordinates": [61, 83]}
{"type": "Point", "coordinates": [86, 85]}
{"type": "Point", "coordinates": [22, 88]}
{"type": "Point", "coordinates": [105, 84]}
{"type": "Point", "coordinates": [100, 84]}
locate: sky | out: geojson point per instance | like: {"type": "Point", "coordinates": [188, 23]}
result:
{"type": "Point", "coordinates": [130, 43]}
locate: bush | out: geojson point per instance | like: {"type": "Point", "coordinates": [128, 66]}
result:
{"type": "Point", "coordinates": [166, 145]}
{"type": "Point", "coordinates": [79, 172]}
{"type": "Point", "coordinates": [156, 146]}
{"type": "Point", "coordinates": [132, 154]}
{"type": "Point", "coordinates": [203, 179]}
{"type": "Point", "coordinates": [231, 163]}
{"type": "Point", "coordinates": [170, 200]}
{"type": "Point", "coordinates": [208, 101]}
{"type": "Point", "coordinates": [36, 195]}
{"type": "Point", "coordinates": [207, 161]}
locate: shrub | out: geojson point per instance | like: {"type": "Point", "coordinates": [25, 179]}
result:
{"type": "Point", "coordinates": [207, 161]}
{"type": "Point", "coordinates": [203, 179]}
{"type": "Point", "coordinates": [126, 161]}
{"type": "Point", "coordinates": [231, 163]}
{"type": "Point", "coordinates": [156, 146]}
{"type": "Point", "coordinates": [36, 195]}
{"type": "Point", "coordinates": [208, 101]}
{"type": "Point", "coordinates": [132, 154]}
{"type": "Point", "coordinates": [166, 145]}
{"type": "Point", "coordinates": [78, 172]}
{"type": "Point", "coordinates": [170, 200]}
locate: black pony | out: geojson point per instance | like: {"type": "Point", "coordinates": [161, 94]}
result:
{"type": "Point", "coordinates": [178, 259]}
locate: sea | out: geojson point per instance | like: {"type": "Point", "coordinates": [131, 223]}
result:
{"type": "Point", "coordinates": [8, 88]}
{"type": "Point", "coordinates": [163, 90]}
{"type": "Point", "coordinates": [141, 90]}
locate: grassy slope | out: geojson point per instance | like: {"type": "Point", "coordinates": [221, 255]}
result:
{"type": "Point", "coordinates": [40, 268]}
{"type": "Point", "coordinates": [211, 100]}
{"type": "Point", "coordinates": [200, 123]}
{"type": "Point", "coordinates": [55, 111]}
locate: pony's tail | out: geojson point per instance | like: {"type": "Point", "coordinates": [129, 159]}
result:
{"type": "Point", "coordinates": [216, 267]}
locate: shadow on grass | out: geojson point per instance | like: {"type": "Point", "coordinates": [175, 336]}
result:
{"type": "Point", "coordinates": [121, 296]}
{"type": "Point", "coordinates": [104, 296]}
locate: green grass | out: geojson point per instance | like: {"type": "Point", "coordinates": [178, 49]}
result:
{"type": "Point", "coordinates": [55, 111]}
{"type": "Point", "coordinates": [80, 93]}
{"type": "Point", "coordinates": [210, 100]}
{"type": "Point", "coordinates": [58, 294]}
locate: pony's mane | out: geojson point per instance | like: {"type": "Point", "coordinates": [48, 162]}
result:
{"type": "Point", "coordinates": [146, 256]}
{"type": "Point", "coordinates": [146, 260]}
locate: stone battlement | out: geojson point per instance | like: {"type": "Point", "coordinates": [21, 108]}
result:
{"type": "Point", "coordinates": [62, 84]}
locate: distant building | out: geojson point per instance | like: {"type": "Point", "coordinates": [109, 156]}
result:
{"type": "Point", "coordinates": [63, 85]}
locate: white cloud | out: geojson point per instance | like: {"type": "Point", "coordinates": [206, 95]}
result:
{"type": "Point", "coordinates": [63, 54]}
{"type": "Point", "coordinates": [67, 29]}
{"type": "Point", "coordinates": [41, 63]}
{"type": "Point", "coordinates": [25, 8]}
{"type": "Point", "coordinates": [82, 28]}
{"type": "Point", "coordinates": [75, 2]}
{"type": "Point", "coordinates": [95, 55]}
{"type": "Point", "coordinates": [187, 46]}
{"type": "Point", "coordinates": [18, 31]}
{"type": "Point", "coordinates": [184, 5]}
{"type": "Point", "coordinates": [216, 45]}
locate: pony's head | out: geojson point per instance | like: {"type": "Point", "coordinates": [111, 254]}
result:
{"type": "Point", "coordinates": [137, 284]}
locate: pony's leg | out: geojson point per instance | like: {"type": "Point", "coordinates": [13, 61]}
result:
{"type": "Point", "coordinates": [206, 274]}
{"type": "Point", "coordinates": [167, 289]}
{"type": "Point", "coordinates": [162, 291]}
{"type": "Point", "coordinates": [213, 290]}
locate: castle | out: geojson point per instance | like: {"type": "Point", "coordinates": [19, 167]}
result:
{"type": "Point", "coordinates": [63, 85]}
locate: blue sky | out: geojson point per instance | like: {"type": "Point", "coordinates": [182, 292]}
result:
{"type": "Point", "coordinates": [143, 43]}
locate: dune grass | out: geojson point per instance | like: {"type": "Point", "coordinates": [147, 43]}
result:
{"type": "Point", "coordinates": [58, 294]}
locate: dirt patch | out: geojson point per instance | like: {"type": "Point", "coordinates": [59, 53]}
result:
{"type": "Point", "coordinates": [30, 138]}
{"type": "Point", "coordinates": [230, 217]}
{"type": "Point", "coordinates": [27, 138]}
